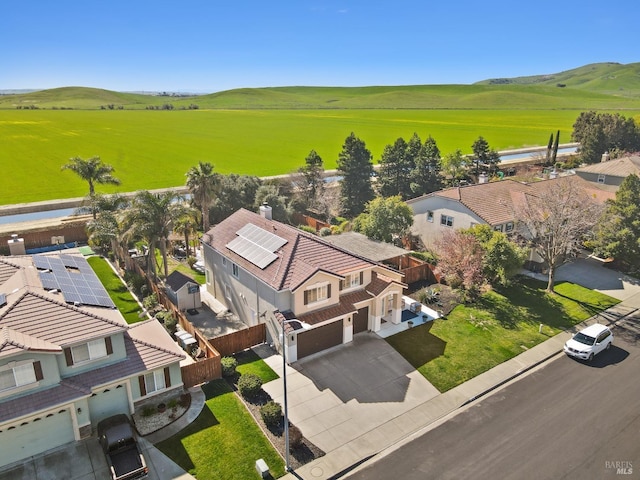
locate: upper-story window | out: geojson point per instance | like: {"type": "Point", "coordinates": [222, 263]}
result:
{"type": "Point", "coordinates": [19, 375]}
{"type": "Point", "coordinates": [235, 270]}
{"type": "Point", "coordinates": [446, 220]}
{"type": "Point", "coordinates": [86, 352]}
{"type": "Point", "coordinates": [352, 280]}
{"type": "Point", "coordinates": [509, 227]}
{"type": "Point", "coordinates": [498, 228]}
{"type": "Point", "coordinates": [430, 216]}
{"type": "Point", "coordinates": [317, 294]}
{"type": "Point", "coordinates": [601, 178]}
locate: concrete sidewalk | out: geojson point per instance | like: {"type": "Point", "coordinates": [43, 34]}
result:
{"type": "Point", "coordinates": [401, 429]}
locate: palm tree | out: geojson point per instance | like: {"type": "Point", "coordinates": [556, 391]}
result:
{"type": "Point", "coordinates": [92, 171]}
{"type": "Point", "coordinates": [150, 217]}
{"type": "Point", "coordinates": [186, 223]}
{"type": "Point", "coordinates": [202, 183]}
{"type": "Point", "coordinates": [105, 229]}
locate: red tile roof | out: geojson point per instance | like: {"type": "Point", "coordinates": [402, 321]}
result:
{"type": "Point", "coordinates": [12, 341]}
{"type": "Point", "coordinates": [302, 256]}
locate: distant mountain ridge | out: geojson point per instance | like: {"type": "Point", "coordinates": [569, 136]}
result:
{"type": "Point", "coordinates": [594, 86]}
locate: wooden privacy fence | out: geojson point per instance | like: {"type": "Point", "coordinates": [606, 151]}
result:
{"type": "Point", "coordinates": [241, 340]}
{"type": "Point", "coordinates": [205, 369]}
{"type": "Point", "coordinates": [414, 269]}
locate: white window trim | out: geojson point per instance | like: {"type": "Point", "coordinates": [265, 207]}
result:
{"type": "Point", "coordinates": [602, 178]}
{"type": "Point", "coordinates": [446, 223]}
{"type": "Point", "coordinates": [19, 365]}
{"type": "Point", "coordinates": [353, 279]}
{"type": "Point", "coordinates": [430, 216]}
{"type": "Point", "coordinates": [156, 374]}
{"type": "Point", "coordinates": [95, 349]}
{"type": "Point", "coordinates": [315, 288]}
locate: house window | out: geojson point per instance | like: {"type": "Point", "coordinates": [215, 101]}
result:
{"type": "Point", "coordinates": [498, 228]}
{"type": "Point", "coordinates": [429, 216]}
{"type": "Point", "coordinates": [89, 351]}
{"type": "Point", "coordinates": [20, 375]}
{"type": "Point", "coordinates": [317, 294]}
{"type": "Point", "coordinates": [235, 270]}
{"type": "Point", "coordinates": [351, 281]}
{"type": "Point", "coordinates": [224, 261]}
{"type": "Point", "coordinates": [601, 178]}
{"type": "Point", "coordinates": [446, 220]}
{"type": "Point", "coordinates": [154, 381]}
{"type": "Point", "coordinates": [509, 227]}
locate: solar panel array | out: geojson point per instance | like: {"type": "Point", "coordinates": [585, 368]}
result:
{"type": "Point", "coordinates": [74, 277]}
{"type": "Point", "coordinates": [256, 245]}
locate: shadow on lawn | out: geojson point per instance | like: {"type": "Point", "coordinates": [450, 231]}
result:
{"type": "Point", "coordinates": [174, 448]}
{"type": "Point", "coordinates": [418, 345]}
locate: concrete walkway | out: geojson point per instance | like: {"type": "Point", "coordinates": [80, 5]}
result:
{"type": "Point", "coordinates": [398, 430]}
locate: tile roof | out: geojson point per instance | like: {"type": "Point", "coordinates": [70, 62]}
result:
{"type": "Point", "coordinates": [361, 245]}
{"type": "Point", "coordinates": [620, 167]}
{"type": "Point", "coordinates": [494, 201]}
{"type": "Point", "coordinates": [302, 256]}
{"type": "Point", "coordinates": [53, 321]}
{"type": "Point", "coordinates": [379, 283]}
{"type": "Point", "coordinates": [12, 341]}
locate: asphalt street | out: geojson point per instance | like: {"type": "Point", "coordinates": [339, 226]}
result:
{"type": "Point", "coordinates": [568, 419]}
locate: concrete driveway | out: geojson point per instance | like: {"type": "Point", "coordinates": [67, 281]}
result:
{"type": "Point", "coordinates": [339, 395]}
{"type": "Point", "coordinates": [591, 273]}
{"type": "Point", "coordinates": [84, 460]}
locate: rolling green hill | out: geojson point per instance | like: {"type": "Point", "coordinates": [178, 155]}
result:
{"type": "Point", "coordinates": [605, 78]}
{"type": "Point", "coordinates": [597, 86]}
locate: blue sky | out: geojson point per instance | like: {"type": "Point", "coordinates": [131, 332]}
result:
{"type": "Point", "coordinates": [209, 46]}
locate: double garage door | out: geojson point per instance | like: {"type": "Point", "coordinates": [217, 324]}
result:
{"type": "Point", "coordinates": [36, 436]}
{"type": "Point", "coordinates": [319, 338]}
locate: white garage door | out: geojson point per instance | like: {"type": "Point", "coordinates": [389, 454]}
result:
{"type": "Point", "coordinates": [107, 402]}
{"type": "Point", "coordinates": [36, 436]}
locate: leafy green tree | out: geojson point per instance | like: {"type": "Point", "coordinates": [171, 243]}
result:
{"type": "Point", "coordinates": [105, 231]}
{"type": "Point", "coordinates": [618, 232]}
{"type": "Point", "coordinates": [270, 194]}
{"type": "Point", "coordinates": [395, 169]}
{"type": "Point", "coordinates": [202, 183]}
{"type": "Point", "coordinates": [356, 168]}
{"type": "Point", "coordinates": [484, 155]}
{"type": "Point", "coordinates": [385, 218]}
{"type": "Point", "coordinates": [454, 168]}
{"type": "Point", "coordinates": [313, 173]}
{"type": "Point", "coordinates": [186, 223]}
{"type": "Point", "coordinates": [239, 192]}
{"type": "Point", "coordinates": [426, 175]}
{"type": "Point", "coordinates": [602, 132]}
{"type": "Point", "coordinates": [150, 217]}
{"type": "Point", "coordinates": [93, 171]}
{"type": "Point", "coordinates": [503, 258]}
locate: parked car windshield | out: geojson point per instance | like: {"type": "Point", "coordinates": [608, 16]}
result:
{"type": "Point", "coordinates": [586, 339]}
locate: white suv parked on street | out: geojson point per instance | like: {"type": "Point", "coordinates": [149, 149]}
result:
{"type": "Point", "coordinates": [588, 342]}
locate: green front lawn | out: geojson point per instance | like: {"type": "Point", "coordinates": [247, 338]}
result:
{"type": "Point", "coordinates": [117, 290]}
{"type": "Point", "coordinates": [223, 442]}
{"type": "Point", "coordinates": [502, 324]}
{"type": "Point", "coordinates": [250, 362]}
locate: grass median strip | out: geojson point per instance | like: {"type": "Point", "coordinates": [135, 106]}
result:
{"type": "Point", "coordinates": [500, 325]}
{"type": "Point", "coordinates": [223, 442]}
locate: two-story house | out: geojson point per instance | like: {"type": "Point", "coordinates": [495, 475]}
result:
{"type": "Point", "coordinates": [483, 203]}
{"type": "Point", "coordinates": [609, 174]}
{"type": "Point", "coordinates": [322, 295]}
{"type": "Point", "coordinates": [67, 357]}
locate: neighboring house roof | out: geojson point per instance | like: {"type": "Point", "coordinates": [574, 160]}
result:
{"type": "Point", "coordinates": [296, 261]}
{"type": "Point", "coordinates": [361, 245]}
{"type": "Point", "coordinates": [620, 167]}
{"type": "Point", "coordinates": [176, 280]}
{"type": "Point", "coordinates": [494, 201]}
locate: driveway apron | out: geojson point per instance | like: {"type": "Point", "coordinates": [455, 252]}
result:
{"type": "Point", "coordinates": [337, 396]}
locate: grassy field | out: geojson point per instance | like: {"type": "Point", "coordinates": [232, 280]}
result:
{"type": "Point", "coordinates": [503, 324]}
{"type": "Point", "coordinates": [154, 149]}
{"type": "Point", "coordinates": [223, 442]}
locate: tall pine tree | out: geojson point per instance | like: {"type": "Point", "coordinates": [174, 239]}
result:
{"type": "Point", "coordinates": [395, 168]}
{"type": "Point", "coordinates": [426, 176]}
{"type": "Point", "coordinates": [356, 168]}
